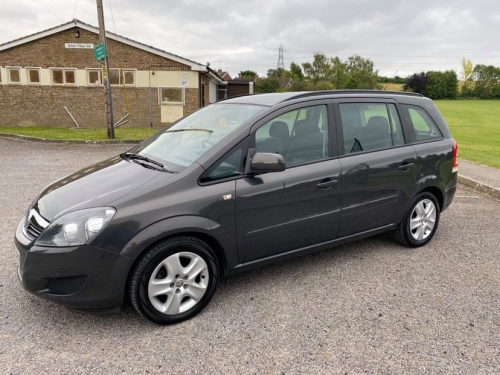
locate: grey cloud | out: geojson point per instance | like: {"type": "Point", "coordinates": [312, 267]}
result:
{"type": "Point", "coordinates": [236, 35]}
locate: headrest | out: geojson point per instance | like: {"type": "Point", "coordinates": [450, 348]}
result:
{"type": "Point", "coordinates": [378, 122]}
{"type": "Point", "coordinates": [279, 129]}
{"type": "Point", "coordinates": [304, 128]}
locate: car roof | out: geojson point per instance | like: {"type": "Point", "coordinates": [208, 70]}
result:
{"type": "Point", "coordinates": [272, 99]}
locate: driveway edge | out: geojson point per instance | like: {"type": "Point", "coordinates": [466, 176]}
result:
{"type": "Point", "coordinates": [26, 138]}
{"type": "Point", "coordinates": [479, 186]}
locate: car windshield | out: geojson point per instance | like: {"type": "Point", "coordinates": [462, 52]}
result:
{"type": "Point", "coordinates": [193, 136]}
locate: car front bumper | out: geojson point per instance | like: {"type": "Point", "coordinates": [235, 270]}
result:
{"type": "Point", "coordinates": [82, 278]}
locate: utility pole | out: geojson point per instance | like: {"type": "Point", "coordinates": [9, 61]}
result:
{"type": "Point", "coordinates": [108, 100]}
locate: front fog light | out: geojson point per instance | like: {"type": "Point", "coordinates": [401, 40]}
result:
{"type": "Point", "coordinates": [70, 231]}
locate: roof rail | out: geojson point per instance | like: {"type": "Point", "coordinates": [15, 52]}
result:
{"type": "Point", "coordinates": [329, 92]}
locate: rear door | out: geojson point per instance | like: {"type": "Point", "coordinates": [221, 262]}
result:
{"type": "Point", "coordinates": [379, 166]}
{"type": "Point", "coordinates": [283, 211]}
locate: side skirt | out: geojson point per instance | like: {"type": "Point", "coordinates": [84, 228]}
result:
{"type": "Point", "coordinates": [306, 250]}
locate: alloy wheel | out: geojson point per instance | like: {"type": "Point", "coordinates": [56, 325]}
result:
{"type": "Point", "coordinates": [178, 283]}
{"type": "Point", "coordinates": [422, 219]}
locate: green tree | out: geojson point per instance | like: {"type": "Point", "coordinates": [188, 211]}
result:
{"type": "Point", "coordinates": [296, 72]}
{"type": "Point", "coordinates": [247, 74]}
{"type": "Point", "coordinates": [361, 73]}
{"type": "Point", "coordinates": [442, 85]}
{"type": "Point", "coordinates": [486, 81]}
{"type": "Point", "coordinates": [466, 76]}
{"type": "Point", "coordinates": [319, 68]}
{"type": "Point", "coordinates": [267, 85]}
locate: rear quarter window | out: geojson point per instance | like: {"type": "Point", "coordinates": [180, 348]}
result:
{"type": "Point", "coordinates": [422, 127]}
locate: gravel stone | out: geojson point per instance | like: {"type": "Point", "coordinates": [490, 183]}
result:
{"type": "Point", "coordinates": [370, 306]}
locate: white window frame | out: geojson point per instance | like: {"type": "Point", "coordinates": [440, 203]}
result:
{"type": "Point", "coordinates": [89, 83]}
{"type": "Point", "coordinates": [119, 77]}
{"type": "Point", "coordinates": [122, 75]}
{"type": "Point", "coordinates": [64, 77]}
{"type": "Point", "coordinates": [27, 72]}
{"type": "Point", "coordinates": [1, 76]}
{"type": "Point", "coordinates": [8, 69]}
{"type": "Point", "coordinates": [160, 100]}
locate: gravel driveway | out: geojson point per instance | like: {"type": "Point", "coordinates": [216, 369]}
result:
{"type": "Point", "coordinates": [367, 307]}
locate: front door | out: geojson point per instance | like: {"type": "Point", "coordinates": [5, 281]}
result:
{"type": "Point", "coordinates": [283, 211]}
{"type": "Point", "coordinates": [379, 168]}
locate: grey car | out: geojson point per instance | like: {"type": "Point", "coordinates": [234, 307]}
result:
{"type": "Point", "coordinates": [243, 183]}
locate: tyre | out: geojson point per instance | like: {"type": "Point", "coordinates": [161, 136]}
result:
{"type": "Point", "coordinates": [174, 280]}
{"type": "Point", "coordinates": [420, 221]}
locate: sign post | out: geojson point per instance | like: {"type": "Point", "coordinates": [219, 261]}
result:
{"type": "Point", "coordinates": [101, 54]}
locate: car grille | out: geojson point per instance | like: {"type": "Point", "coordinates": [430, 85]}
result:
{"type": "Point", "coordinates": [33, 231]}
{"type": "Point", "coordinates": [35, 224]}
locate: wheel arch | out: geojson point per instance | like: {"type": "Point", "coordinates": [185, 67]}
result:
{"type": "Point", "coordinates": [437, 192]}
{"type": "Point", "coordinates": [198, 227]}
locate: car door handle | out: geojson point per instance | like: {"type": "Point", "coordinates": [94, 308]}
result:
{"type": "Point", "coordinates": [327, 184]}
{"type": "Point", "coordinates": [405, 166]}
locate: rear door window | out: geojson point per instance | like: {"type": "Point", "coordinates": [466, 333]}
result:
{"type": "Point", "coordinates": [370, 126]}
{"type": "Point", "coordinates": [421, 124]}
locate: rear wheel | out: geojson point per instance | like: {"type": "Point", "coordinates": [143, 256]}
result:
{"type": "Point", "coordinates": [174, 280]}
{"type": "Point", "coordinates": [420, 221]}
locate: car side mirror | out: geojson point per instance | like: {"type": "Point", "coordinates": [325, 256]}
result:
{"type": "Point", "coordinates": [264, 162]}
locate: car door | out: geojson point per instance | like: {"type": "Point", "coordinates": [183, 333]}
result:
{"type": "Point", "coordinates": [379, 166]}
{"type": "Point", "coordinates": [299, 207]}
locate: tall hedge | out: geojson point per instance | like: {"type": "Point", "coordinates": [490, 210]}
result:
{"type": "Point", "coordinates": [435, 85]}
{"type": "Point", "coordinates": [442, 85]}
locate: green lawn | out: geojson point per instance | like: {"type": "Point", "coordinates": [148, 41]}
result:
{"type": "Point", "coordinates": [80, 134]}
{"type": "Point", "coordinates": [475, 125]}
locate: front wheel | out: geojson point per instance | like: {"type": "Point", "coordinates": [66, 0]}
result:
{"type": "Point", "coordinates": [174, 280]}
{"type": "Point", "coordinates": [420, 221]}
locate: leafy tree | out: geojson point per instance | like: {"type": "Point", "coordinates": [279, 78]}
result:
{"type": "Point", "coordinates": [266, 85]}
{"type": "Point", "coordinates": [486, 81]}
{"type": "Point", "coordinates": [247, 74]}
{"type": "Point", "coordinates": [417, 82]}
{"type": "Point", "coordinates": [442, 85]}
{"type": "Point", "coordinates": [466, 75]}
{"type": "Point", "coordinates": [361, 73]}
{"type": "Point", "coordinates": [318, 69]}
{"type": "Point", "coordinates": [296, 72]}
{"type": "Point", "coordinates": [276, 73]}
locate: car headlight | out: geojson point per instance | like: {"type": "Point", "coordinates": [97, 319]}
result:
{"type": "Point", "coordinates": [76, 228]}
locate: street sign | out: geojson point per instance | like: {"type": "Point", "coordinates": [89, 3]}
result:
{"type": "Point", "coordinates": [99, 52]}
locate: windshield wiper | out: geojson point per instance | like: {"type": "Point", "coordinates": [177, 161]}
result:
{"type": "Point", "coordinates": [133, 156]}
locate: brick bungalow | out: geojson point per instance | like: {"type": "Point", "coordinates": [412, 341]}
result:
{"type": "Point", "coordinates": [44, 75]}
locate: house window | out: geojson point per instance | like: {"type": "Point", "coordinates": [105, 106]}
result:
{"type": "Point", "coordinates": [122, 76]}
{"type": "Point", "coordinates": [34, 76]}
{"type": "Point", "coordinates": [94, 77]}
{"type": "Point", "coordinates": [221, 94]}
{"type": "Point", "coordinates": [171, 95]}
{"type": "Point", "coordinates": [64, 76]}
{"type": "Point", "coordinates": [129, 77]}
{"type": "Point", "coordinates": [14, 75]}
{"type": "Point", "coordinates": [114, 76]}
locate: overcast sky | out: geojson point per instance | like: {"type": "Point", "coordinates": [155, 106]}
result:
{"type": "Point", "coordinates": [234, 35]}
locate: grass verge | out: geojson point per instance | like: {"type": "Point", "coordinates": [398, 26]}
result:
{"type": "Point", "coordinates": [80, 134]}
{"type": "Point", "coordinates": [475, 125]}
